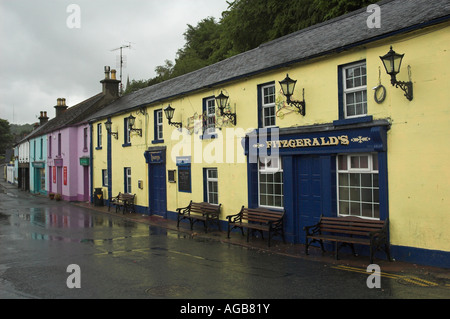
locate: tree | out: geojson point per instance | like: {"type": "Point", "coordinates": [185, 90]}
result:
{"type": "Point", "coordinates": [334, 8]}
{"type": "Point", "coordinates": [245, 25]}
{"type": "Point", "coordinates": [5, 136]}
{"type": "Point", "coordinates": [164, 72]}
{"type": "Point", "coordinates": [201, 48]}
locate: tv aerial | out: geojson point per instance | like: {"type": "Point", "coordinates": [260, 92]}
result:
{"type": "Point", "coordinates": [122, 61]}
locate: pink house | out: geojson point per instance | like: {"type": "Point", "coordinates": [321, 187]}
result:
{"type": "Point", "coordinates": [68, 143]}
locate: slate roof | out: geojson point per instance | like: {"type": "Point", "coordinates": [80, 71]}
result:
{"type": "Point", "coordinates": [345, 32]}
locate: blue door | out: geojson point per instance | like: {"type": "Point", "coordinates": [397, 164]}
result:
{"type": "Point", "coordinates": [157, 189]}
{"type": "Point", "coordinates": [309, 191]}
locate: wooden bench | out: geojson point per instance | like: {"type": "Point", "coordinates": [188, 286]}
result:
{"type": "Point", "coordinates": [123, 201]}
{"type": "Point", "coordinates": [349, 231]}
{"type": "Point", "coordinates": [199, 212]}
{"type": "Point", "coordinates": [257, 219]}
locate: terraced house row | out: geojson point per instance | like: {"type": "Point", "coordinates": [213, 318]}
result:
{"type": "Point", "coordinates": [339, 119]}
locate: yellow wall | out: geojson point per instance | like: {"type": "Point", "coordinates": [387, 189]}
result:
{"type": "Point", "coordinates": [99, 158]}
{"type": "Point", "coordinates": [418, 146]}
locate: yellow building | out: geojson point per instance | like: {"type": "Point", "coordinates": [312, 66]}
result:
{"type": "Point", "coordinates": [362, 148]}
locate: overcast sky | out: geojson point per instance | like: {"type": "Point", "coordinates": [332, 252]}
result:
{"type": "Point", "coordinates": [45, 56]}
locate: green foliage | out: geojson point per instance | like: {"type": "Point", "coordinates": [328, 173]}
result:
{"type": "Point", "coordinates": [5, 136]}
{"type": "Point", "coordinates": [244, 26]}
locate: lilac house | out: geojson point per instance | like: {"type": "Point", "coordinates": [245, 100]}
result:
{"type": "Point", "coordinates": [68, 143]}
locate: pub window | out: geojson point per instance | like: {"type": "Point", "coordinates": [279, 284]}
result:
{"type": "Point", "coordinates": [159, 125]}
{"type": "Point", "coordinates": [85, 139]}
{"type": "Point", "coordinates": [354, 90]}
{"type": "Point", "coordinates": [268, 106]}
{"type": "Point", "coordinates": [212, 189]}
{"type": "Point", "coordinates": [49, 148]}
{"type": "Point", "coordinates": [209, 117]}
{"type": "Point", "coordinates": [99, 136]}
{"type": "Point", "coordinates": [358, 185]}
{"type": "Point", "coordinates": [126, 134]}
{"type": "Point", "coordinates": [127, 179]}
{"type": "Point", "coordinates": [59, 144]}
{"type": "Point", "coordinates": [104, 177]}
{"type": "Point", "coordinates": [270, 182]}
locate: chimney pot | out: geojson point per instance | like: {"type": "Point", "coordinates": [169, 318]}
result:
{"type": "Point", "coordinates": [43, 118]}
{"type": "Point", "coordinates": [110, 85]}
{"type": "Point", "coordinates": [60, 106]}
{"type": "Point", "coordinates": [107, 69]}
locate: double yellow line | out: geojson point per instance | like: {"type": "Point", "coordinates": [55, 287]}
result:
{"type": "Point", "coordinates": [409, 279]}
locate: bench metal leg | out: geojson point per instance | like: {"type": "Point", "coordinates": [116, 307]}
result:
{"type": "Point", "coordinates": [388, 251]}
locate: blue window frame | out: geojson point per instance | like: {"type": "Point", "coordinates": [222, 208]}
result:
{"type": "Point", "coordinates": [210, 186]}
{"type": "Point", "coordinates": [105, 178]}
{"type": "Point", "coordinates": [266, 105]}
{"type": "Point", "coordinates": [127, 180]}
{"type": "Point", "coordinates": [158, 127]}
{"type": "Point", "coordinates": [99, 136]}
{"type": "Point", "coordinates": [209, 118]}
{"type": "Point", "coordinates": [126, 133]}
{"type": "Point", "coordinates": [352, 92]}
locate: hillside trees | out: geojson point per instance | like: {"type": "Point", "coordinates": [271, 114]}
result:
{"type": "Point", "coordinates": [244, 26]}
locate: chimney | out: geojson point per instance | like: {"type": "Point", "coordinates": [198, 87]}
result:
{"type": "Point", "coordinates": [43, 118]}
{"type": "Point", "coordinates": [60, 107]}
{"type": "Point", "coordinates": [110, 84]}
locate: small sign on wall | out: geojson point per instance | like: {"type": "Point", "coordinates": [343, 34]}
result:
{"type": "Point", "coordinates": [65, 175]}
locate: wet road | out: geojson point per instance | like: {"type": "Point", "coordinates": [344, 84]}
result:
{"type": "Point", "coordinates": [40, 238]}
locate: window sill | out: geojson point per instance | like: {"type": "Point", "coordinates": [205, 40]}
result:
{"type": "Point", "coordinates": [355, 120]}
{"type": "Point", "coordinates": [98, 148]}
{"type": "Point", "coordinates": [209, 136]}
{"type": "Point", "coordinates": [157, 141]}
{"type": "Point", "coordinates": [126, 145]}
{"type": "Point", "coordinates": [279, 209]}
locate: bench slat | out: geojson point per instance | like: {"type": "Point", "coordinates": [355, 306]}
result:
{"type": "Point", "coordinates": [259, 219]}
{"type": "Point", "coordinates": [342, 229]}
{"type": "Point", "coordinates": [204, 212]}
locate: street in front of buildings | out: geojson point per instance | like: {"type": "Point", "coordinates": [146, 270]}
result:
{"type": "Point", "coordinates": [119, 258]}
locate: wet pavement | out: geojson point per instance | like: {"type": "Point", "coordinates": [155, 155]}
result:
{"type": "Point", "coordinates": [139, 256]}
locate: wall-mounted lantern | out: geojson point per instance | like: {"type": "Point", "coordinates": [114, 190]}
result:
{"type": "Point", "coordinates": [392, 62]}
{"type": "Point", "coordinates": [108, 125]}
{"type": "Point", "coordinates": [221, 101]}
{"type": "Point", "coordinates": [131, 122]}
{"type": "Point", "coordinates": [288, 86]}
{"type": "Point", "coordinates": [169, 111]}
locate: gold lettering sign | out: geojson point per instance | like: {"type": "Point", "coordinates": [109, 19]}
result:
{"type": "Point", "coordinates": [155, 157]}
{"type": "Point", "coordinates": [308, 142]}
